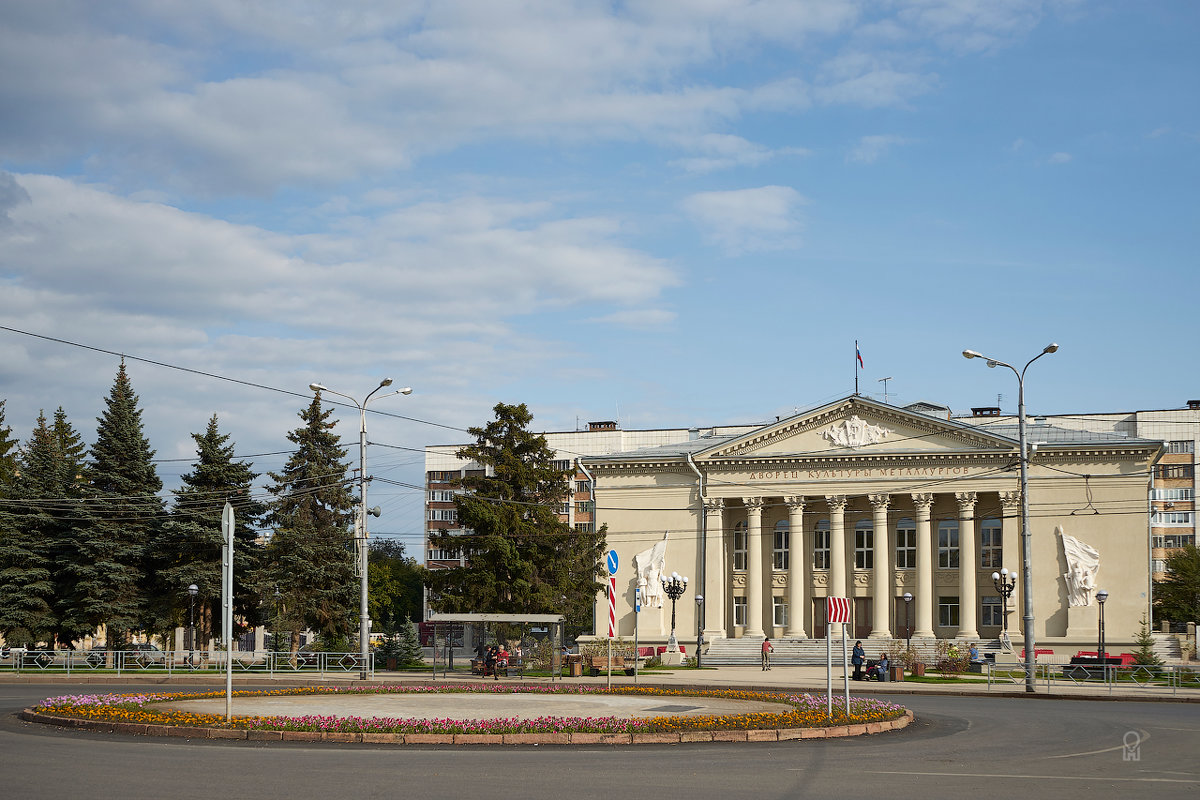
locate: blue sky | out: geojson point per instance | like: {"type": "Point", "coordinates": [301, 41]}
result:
{"type": "Point", "coordinates": [678, 212]}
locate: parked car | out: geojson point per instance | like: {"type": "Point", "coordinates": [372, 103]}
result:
{"type": "Point", "coordinates": [143, 654]}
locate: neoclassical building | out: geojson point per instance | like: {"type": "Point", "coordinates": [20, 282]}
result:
{"type": "Point", "coordinates": [868, 501]}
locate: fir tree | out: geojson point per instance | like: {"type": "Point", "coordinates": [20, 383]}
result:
{"type": "Point", "coordinates": [311, 553]}
{"type": "Point", "coordinates": [521, 557]}
{"type": "Point", "coordinates": [108, 577]}
{"type": "Point", "coordinates": [189, 550]}
{"type": "Point", "coordinates": [1144, 655]}
{"type": "Point", "coordinates": [8, 454]}
{"type": "Point", "coordinates": [69, 488]}
{"type": "Point", "coordinates": [408, 641]}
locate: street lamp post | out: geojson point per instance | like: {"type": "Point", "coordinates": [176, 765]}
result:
{"type": "Point", "coordinates": [364, 619]}
{"type": "Point", "coordinates": [1101, 596]}
{"type": "Point", "coordinates": [907, 624]}
{"type": "Point", "coordinates": [1005, 582]}
{"type": "Point", "coordinates": [1026, 542]}
{"type": "Point", "coordinates": [192, 591]}
{"type": "Point", "coordinates": [674, 589]}
{"type": "Point", "coordinates": [699, 628]}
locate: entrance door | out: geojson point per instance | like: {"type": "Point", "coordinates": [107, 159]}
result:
{"type": "Point", "coordinates": [862, 617]}
{"type": "Point", "coordinates": [818, 617]}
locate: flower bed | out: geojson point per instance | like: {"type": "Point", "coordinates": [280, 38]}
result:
{"type": "Point", "coordinates": [796, 712]}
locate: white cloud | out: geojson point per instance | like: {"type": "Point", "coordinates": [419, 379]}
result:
{"type": "Point", "coordinates": [638, 319]}
{"type": "Point", "coordinates": [744, 220]}
{"type": "Point", "coordinates": [870, 149]}
{"type": "Point", "coordinates": [1059, 158]}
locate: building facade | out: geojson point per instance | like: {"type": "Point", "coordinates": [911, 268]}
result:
{"type": "Point", "coordinates": [868, 501]}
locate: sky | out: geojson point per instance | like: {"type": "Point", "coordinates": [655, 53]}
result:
{"type": "Point", "coordinates": [664, 212]}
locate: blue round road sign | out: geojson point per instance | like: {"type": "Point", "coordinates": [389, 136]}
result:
{"type": "Point", "coordinates": [612, 562]}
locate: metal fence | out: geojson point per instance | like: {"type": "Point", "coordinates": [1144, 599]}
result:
{"type": "Point", "coordinates": [180, 662]}
{"type": "Point", "coordinates": [1170, 677]}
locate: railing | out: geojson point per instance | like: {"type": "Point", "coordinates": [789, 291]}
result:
{"type": "Point", "coordinates": [1109, 676]}
{"type": "Point", "coordinates": [180, 662]}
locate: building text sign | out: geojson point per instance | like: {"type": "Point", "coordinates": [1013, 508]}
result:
{"type": "Point", "coordinates": [864, 473]}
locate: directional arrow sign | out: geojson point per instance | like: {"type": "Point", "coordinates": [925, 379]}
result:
{"type": "Point", "coordinates": [612, 562]}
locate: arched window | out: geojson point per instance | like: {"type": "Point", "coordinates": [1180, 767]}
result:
{"type": "Point", "coordinates": [948, 547]}
{"type": "Point", "coordinates": [821, 545]}
{"type": "Point", "coordinates": [864, 543]}
{"type": "Point", "coordinates": [906, 544]}
{"type": "Point", "coordinates": [779, 552]}
{"type": "Point", "coordinates": [739, 546]}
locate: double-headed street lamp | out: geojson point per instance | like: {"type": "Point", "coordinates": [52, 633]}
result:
{"type": "Point", "coordinates": [1005, 582]}
{"type": "Point", "coordinates": [674, 589]}
{"type": "Point", "coordinates": [192, 591]}
{"type": "Point", "coordinates": [699, 628]}
{"type": "Point", "coordinates": [1026, 545]}
{"type": "Point", "coordinates": [364, 619]}
{"type": "Point", "coordinates": [1101, 596]}
{"type": "Point", "coordinates": [907, 624]}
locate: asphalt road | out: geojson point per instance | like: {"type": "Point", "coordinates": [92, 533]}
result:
{"type": "Point", "coordinates": [958, 747]}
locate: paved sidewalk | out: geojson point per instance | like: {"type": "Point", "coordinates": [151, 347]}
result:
{"type": "Point", "coordinates": [779, 678]}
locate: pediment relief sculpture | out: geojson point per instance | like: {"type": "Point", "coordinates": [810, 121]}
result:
{"type": "Point", "coordinates": [855, 433]}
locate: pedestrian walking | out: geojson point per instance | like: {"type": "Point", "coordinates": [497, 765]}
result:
{"type": "Point", "coordinates": [767, 649]}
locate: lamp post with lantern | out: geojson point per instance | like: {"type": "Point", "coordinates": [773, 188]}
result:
{"type": "Point", "coordinates": [674, 589]}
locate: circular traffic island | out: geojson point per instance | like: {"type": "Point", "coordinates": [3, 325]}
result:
{"type": "Point", "coordinates": [476, 714]}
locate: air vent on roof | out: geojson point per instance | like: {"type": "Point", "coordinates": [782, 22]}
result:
{"type": "Point", "coordinates": [986, 411]}
{"type": "Point", "coordinates": [602, 426]}
{"type": "Point", "coordinates": [1193, 403]}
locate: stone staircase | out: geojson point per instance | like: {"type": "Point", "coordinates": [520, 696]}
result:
{"type": "Point", "coordinates": [748, 651]}
{"type": "Point", "coordinates": [1166, 647]}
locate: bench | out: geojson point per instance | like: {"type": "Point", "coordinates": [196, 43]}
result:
{"type": "Point", "coordinates": [598, 664]}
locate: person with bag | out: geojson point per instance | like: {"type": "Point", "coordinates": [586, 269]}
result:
{"type": "Point", "coordinates": [767, 649]}
{"type": "Point", "coordinates": [858, 658]}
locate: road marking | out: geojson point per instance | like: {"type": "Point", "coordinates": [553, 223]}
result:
{"type": "Point", "coordinates": [1033, 777]}
{"type": "Point", "coordinates": [1144, 737]}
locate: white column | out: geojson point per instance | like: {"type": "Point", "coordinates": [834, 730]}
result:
{"type": "Point", "coordinates": [716, 572]}
{"type": "Point", "coordinates": [882, 578]}
{"type": "Point", "coordinates": [925, 600]}
{"type": "Point", "coordinates": [754, 567]}
{"type": "Point", "coordinates": [837, 546]}
{"type": "Point", "coordinates": [968, 567]}
{"type": "Point", "coordinates": [797, 569]}
{"type": "Point", "coordinates": [1010, 527]}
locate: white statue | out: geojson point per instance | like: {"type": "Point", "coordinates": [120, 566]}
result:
{"type": "Point", "coordinates": [650, 565]}
{"type": "Point", "coordinates": [1083, 562]}
{"type": "Point", "coordinates": [855, 433]}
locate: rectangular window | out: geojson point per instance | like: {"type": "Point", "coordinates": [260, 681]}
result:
{"type": "Point", "coordinates": [991, 545]}
{"type": "Point", "coordinates": [1158, 565]}
{"type": "Point", "coordinates": [441, 496]}
{"type": "Point", "coordinates": [585, 527]}
{"type": "Point", "coordinates": [1162, 471]}
{"type": "Point", "coordinates": [992, 612]}
{"type": "Point", "coordinates": [948, 612]}
{"type": "Point", "coordinates": [443, 555]}
{"type": "Point", "coordinates": [739, 611]}
{"type": "Point", "coordinates": [739, 549]}
{"type": "Point", "coordinates": [1181, 446]}
{"type": "Point", "coordinates": [561, 464]}
{"type": "Point", "coordinates": [779, 553]}
{"type": "Point", "coordinates": [1173, 494]}
{"type": "Point", "coordinates": [1173, 541]}
{"type": "Point", "coordinates": [863, 544]}
{"type": "Point", "coordinates": [948, 545]}
{"type": "Point", "coordinates": [443, 514]}
{"type": "Point", "coordinates": [1173, 519]}
{"type": "Point", "coordinates": [564, 508]}
{"type": "Point", "coordinates": [779, 611]}
{"type": "Point", "coordinates": [585, 507]}
{"type": "Point", "coordinates": [906, 548]}
{"type": "Point", "coordinates": [821, 549]}
{"type": "Point", "coordinates": [583, 486]}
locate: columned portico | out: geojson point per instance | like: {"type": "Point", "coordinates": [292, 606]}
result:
{"type": "Point", "coordinates": [923, 504]}
{"type": "Point", "coordinates": [754, 567]}
{"type": "Point", "coordinates": [882, 578]}
{"type": "Point", "coordinates": [797, 569]}
{"type": "Point", "coordinates": [1010, 528]}
{"type": "Point", "coordinates": [968, 567]}
{"type": "Point", "coordinates": [714, 569]}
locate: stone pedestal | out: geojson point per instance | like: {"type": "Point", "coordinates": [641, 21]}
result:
{"type": "Point", "coordinates": [1083, 622]}
{"type": "Point", "coordinates": [672, 658]}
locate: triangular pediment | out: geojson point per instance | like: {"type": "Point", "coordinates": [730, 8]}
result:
{"type": "Point", "coordinates": [857, 426]}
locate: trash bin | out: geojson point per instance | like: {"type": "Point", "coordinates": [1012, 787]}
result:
{"type": "Point", "coordinates": [575, 666]}
{"type": "Point", "coordinates": [895, 673]}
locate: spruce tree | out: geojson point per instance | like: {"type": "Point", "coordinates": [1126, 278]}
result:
{"type": "Point", "coordinates": [26, 530]}
{"type": "Point", "coordinates": [8, 454]}
{"type": "Point", "coordinates": [310, 557]}
{"type": "Point", "coordinates": [189, 550]}
{"type": "Point", "coordinates": [108, 579]}
{"type": "Point", "coordinates": [520, 556]}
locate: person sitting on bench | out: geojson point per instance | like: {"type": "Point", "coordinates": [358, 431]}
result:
{"type": "Point", "coordinates": [881, 667]}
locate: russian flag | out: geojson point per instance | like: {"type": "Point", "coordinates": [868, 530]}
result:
{"type": "Point", "coordinates": [858, 353]}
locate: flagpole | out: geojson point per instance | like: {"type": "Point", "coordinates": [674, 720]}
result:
{"type": "Point", "coordinates": [856, 366]}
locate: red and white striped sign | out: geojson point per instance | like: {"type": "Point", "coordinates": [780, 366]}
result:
{"type": "Point", "coordinates": [612, 606]}
{"type": "Point", "coordinates": [837, 609]}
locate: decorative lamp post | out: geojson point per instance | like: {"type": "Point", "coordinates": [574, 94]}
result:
{"type": "Point", "coordinates": [364, 618]}
{"type": "Point", "coordinates": [1005, 582]}
{"type": "Point", "coordinates": [907, 623]}
{"type": "Point", "coordinates": [674, 589]}
{"type": "Point", "coordinates": [699, 628]}
{"type": "Point", "coordinates": [1026, 541]}
{"type": "Point", "coordinates": [192, 591]}
{"type": "Point", "coordinates": [1101, 596]}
